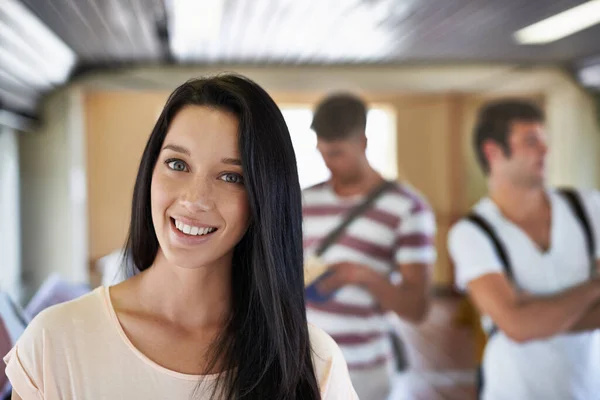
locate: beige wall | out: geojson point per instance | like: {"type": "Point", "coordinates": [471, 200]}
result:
{"type": "Point", "coordinates": [118, 125]}
{"type": "Point", "coordinates": [425, 135]}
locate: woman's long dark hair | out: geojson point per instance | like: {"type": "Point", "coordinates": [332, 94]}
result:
{"type": "Point", "coordinates": [266, 346]}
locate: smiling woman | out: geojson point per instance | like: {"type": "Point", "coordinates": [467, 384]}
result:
{"type": "Point", "coordinates": [215, 307]}
{"type": "Point", "coordinates": [198, 193]}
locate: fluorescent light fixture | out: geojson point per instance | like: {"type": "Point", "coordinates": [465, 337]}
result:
{"type": "Point", "coordinates": [561, 25]}
{"type": "Point", "coordinates": [192, 23]}
{"type": "Point", "coordinates": [590, 76]}
{"type": "Point", "coordinates": [22, 30]}
{"type": "Point", "coordinates": [22, 70]}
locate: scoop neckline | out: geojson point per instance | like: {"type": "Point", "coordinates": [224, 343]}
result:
{"type": "Point", "coordinates": [553, 217]}
{"type": "Point", "coordinates": [105, 292]}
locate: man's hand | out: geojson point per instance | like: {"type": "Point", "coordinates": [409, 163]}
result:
{"type": "Point", "coordinates": [343, 274]}
{"type": "Point", "coordinates": [409, 299]}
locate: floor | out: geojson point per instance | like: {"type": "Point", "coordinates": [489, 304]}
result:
{"type": "Point", "coordinates": [441, 357]}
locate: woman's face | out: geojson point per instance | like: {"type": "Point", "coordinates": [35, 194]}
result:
{"type": "Point", "coordinates": [199, 203]}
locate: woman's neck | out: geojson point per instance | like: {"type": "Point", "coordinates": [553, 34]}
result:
{"type": "Point", "coordinates": [188, 297]}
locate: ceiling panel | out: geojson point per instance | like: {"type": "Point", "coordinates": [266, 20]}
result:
{"type": "Point", "coordinates": [99, 34]}
{"type": "Point", "coordinates": [32, 59]}
{"type": "Point", "coordinates": [102, 31]}
{"type": "Point", "coordinates": [319, 31]}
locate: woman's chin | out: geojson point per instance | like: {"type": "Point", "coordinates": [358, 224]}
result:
{"type": "Point", "coordinates": [187, 261]}
{"type": "Point", "coordinates": [190, 260]}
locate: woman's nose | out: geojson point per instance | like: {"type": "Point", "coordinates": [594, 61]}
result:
{"type": "Point", "coordinates": [199, 196]}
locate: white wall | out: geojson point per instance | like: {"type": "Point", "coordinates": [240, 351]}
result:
{"type": "Point", "coordinates": [53, 207]}
{"type": "Point", "coordinates": [573, 125]}
{"type": "Point", "coordinates": [10, 237]}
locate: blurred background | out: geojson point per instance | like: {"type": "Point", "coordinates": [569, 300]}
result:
{"type": "Point", "coordinates": [83, 81]}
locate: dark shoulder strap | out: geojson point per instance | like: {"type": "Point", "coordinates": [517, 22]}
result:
{"type": "Point", "coordinates": [485, 226]}
{"type": "Point", "coordinates": [575, 203]}
{"type": "Point", "coordinates": [351, 216]}
{"type": "Point", "coordinates": [499, 247]}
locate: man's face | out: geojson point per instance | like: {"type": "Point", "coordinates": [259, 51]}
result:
{"type": "Point", "coordinates": [343, 157]}
{"type": "Point", "coordinates": [526, 163]}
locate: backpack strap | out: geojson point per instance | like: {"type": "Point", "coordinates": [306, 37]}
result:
{"type": "Point", "coordinates": [576, 205]}
{"type": "Point", "coordinates": [501, 252]}
{"type": "Point", "coordinates": [485, 226]}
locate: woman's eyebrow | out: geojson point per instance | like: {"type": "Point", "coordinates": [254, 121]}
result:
{"type": "Point", "coordinates": [232, 161]}
{"type": "Point", "coordinates": [178, 149]}
{"type": "Point", "coordinates": [183, 150]}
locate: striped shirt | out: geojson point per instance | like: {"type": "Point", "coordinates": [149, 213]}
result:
{"type": "Point", "coordinates": [398, 228]}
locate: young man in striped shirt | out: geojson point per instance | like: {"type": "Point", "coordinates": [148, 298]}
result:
{"type": "Point", "coordinates": [393, 238]}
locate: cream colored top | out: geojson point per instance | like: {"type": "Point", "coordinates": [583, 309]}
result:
{"type": "Point", "coordinates": [78, 350]}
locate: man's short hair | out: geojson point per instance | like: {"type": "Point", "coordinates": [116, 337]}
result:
{"type": "Point", "coordinates": [494, 123]}
{"type": "Point", "coordinates": [340, 116]}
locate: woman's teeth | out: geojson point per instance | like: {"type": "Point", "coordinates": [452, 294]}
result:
{"type": "Point", "coordinates": [193, 230]}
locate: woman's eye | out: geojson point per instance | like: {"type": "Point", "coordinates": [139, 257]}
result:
{"type": "Point", "coordinates": [176, 165]}
{"type": "Point", "coordinates": [232, 178]}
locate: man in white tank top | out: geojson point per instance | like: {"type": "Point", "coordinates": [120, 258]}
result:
{"type": "Point", "coordinates": [528, 262]}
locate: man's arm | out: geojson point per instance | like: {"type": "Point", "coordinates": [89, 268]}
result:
{"type": "Point", "coordinates": [525, 318]}
{"type": "Point", "coordinates": [414, 256]}
{"type": "Point", "coordinates": [409, 299]}
{"type": "Point", "coordinates": [591, 320]}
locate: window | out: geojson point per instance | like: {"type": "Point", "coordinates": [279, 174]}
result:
{"type": "Point", "coordinates": [10, 234]}
{"type": "Point", "coordinates": [381, 147]}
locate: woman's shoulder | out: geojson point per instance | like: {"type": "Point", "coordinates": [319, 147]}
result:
{"type": "Point", "coordinates": [58, 318]}
{"type": "Point", "coordinates": [330, 366]}
{"type": "Point", "coordinates": [322, 345]}
{"type": "Point", "coordinates": [50, 334]}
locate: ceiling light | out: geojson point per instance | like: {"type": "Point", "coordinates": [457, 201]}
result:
{"type": "Point", "coordinates": [191, 24]}
{"type": "Point", "coordinates": [561, 25]}
{"type": "Point", "coordinates": [590, 76]}
{"type": "Point", "coordinates": [39, 46]}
